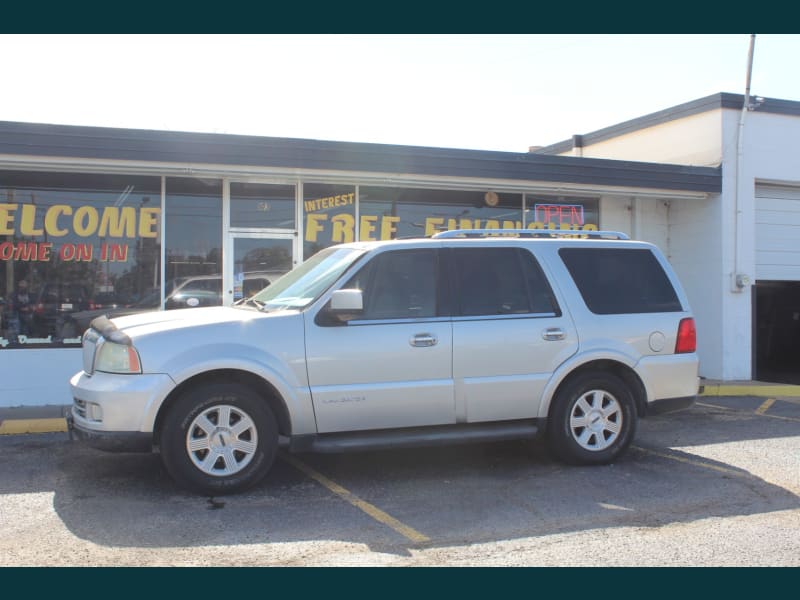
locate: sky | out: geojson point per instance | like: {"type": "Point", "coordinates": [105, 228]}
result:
{"type": "Point", "coordinates": [485, 92]}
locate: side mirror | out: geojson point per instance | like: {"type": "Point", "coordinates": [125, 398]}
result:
{"type": "Point", "coordinates": [346, 305]}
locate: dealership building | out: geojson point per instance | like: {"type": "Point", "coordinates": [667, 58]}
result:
{"type": "Point", "coordinates": [95, 219]}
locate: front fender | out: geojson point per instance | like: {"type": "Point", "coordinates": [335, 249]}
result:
{"type": "Point", "coordinates": [285, 375]}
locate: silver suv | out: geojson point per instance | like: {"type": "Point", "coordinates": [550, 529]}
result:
{"type": "Point", "coordinates": [468, 336]}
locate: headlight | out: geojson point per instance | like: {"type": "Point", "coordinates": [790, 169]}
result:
{"type": "Point", "coordinates": [118, 358]}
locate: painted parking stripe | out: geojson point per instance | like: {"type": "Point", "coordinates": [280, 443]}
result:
{"type": "Point", "coordinates": [694, 462]}
{"type": "Point", "coordinates": [17, 426]}
{"type": "Point", "coordinates": [765, 406]}
{"type": "Point", "coordinates": [371, 510]}
{"type": "Point", "coordinates": [739, 474]}
{"type": "Point", "coordinates": [760, 414]}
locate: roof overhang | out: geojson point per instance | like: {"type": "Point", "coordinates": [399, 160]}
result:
{"type": "Point", "coordinates": [250, 173]}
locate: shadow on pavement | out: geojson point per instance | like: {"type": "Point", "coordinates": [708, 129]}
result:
{"type": "Point", "coordinates": [453, 495]}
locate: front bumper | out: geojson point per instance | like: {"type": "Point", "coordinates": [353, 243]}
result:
{"type": "Point", "coordinates": [111, 441]}
{"type": "Point", "coordinates": [117, 412]}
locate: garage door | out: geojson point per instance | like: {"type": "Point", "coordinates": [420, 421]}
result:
{"type": "Point", "coordinates": [777, 233]}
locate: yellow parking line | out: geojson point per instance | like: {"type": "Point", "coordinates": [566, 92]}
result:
{"type": "Point", "coordinates": [16, 426]}
{"type": "Point", "coordinates": [371, 510]}
{"type": "Point", "coordinates": [765, 406]}
{"type": "Point", "coordinates": [782, 418]}
{"type": "Point", "coordinates": [696, 463]}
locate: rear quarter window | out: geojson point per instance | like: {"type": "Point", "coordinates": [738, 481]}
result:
{"type": "Point", "coordinates": [620, 281]}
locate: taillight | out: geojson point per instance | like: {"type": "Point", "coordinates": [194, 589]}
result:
{"type": "Point", "coordinates": [687, 337]}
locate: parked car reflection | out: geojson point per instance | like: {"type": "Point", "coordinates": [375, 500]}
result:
{"type": "Point", "coordinates": [186, 292]}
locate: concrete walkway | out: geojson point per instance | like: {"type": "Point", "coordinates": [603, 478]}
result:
{"type": "Point", "coordinates": [49, 419]}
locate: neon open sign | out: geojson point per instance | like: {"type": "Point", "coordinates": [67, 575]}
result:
{"type": "Point", "coordinates": [559, 214]}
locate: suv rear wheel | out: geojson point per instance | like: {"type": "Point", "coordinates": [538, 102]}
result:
{"type": "Point", "coordinates": [219, 438]}
{"type": "Point", "coordinates": [593, 419]}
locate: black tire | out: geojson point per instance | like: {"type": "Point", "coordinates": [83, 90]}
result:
{"type": "Point", "coordinates": [234, 439]}
{"type": "Point", "coordinates": [593, 419]}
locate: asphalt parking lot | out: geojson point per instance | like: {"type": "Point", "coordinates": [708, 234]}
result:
{"type": "Point", "coordinates": [718, 484]}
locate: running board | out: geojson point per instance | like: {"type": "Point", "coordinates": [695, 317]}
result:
{"type": "Point", "coordinates": [413, 437]}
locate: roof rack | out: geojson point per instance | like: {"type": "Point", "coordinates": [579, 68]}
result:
{"type": "Point", "coordinates": [538, 233]}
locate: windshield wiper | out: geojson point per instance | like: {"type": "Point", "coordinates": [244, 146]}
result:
{"type": "Point", "coordinates": [245, 301]}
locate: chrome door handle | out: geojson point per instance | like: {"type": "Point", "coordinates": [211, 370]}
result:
{"type": "Point", "coordinates": [553, 334]}
{"type": "Point", "coordinates": [423, 340]}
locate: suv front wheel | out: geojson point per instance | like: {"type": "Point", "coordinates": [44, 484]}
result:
{"type": "Point", "coordinates": [593, 419]}
{"type": "Point", "coordinates": [219, 438]}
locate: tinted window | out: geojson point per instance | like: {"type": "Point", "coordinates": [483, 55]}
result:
{"type": "Point", "coordinates": [398, 285]}
{"type": "Point", "coordinates": [500, 281]}
{"type": "Point", "coordinates": [618, 281]}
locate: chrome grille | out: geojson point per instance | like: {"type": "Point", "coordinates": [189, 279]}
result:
{"type": "Point", "coordinates": [90, 339]}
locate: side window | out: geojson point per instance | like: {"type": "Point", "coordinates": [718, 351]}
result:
{"type": "Point", "coordinates": [541, 295]}
{"type": "Point", "coordinates": [620, 281]}
{"type": "Point", "coordinates": [500, 281]}
{"type": "Point", "coordinates": [398, 284]}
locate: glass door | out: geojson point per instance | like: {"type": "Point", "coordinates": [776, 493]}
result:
{"type": "Point", "coordinates": [255, 260]}
{"type": "Point", "coordinates": [260, 219]}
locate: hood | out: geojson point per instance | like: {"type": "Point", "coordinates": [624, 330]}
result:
{"type": "Point", "coordinates": [146, 323]}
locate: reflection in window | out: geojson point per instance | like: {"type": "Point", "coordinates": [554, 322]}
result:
{"type": "Point", "coordinates": [391, 213]}
{"type": "Point", "coordinates": [193, 234]}
{"type": "Point", "coordinates": [71, 247]}
{"type": "Point", "coordinates": [262, 205]}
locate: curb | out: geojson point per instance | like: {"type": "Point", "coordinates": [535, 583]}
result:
{"type": "Point", "coordinates": [760, 391]}
{"type": "Point", "coordinates": [19, 426]}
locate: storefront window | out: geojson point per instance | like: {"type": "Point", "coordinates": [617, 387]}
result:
{"type": "Point", "coordinates": [71, 247]}
{"type": "Point", "coordinates": [193, 239]}
{"type": "Point", "coordinates": [329, 215]}
{"type": "Point", "coordinates": [261, 205]}
{"type": "Point", "coordinates": [389, 213]}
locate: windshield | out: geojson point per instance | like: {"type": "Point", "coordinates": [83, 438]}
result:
{"type": "Point", "coordinates": [301, 286]}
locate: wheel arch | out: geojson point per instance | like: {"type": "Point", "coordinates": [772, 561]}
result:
{"type": "Point", "coordinates": [623, 371]}
{"type": "Point", "coordinates": [258, 384]}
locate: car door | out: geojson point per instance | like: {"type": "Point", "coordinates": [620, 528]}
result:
{"type": "Point", "coordinates": [509, 334]}
{"type": "Point", "coordinates": [392, 366]}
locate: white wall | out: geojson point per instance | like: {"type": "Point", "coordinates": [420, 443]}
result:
{"type": "Point", "coordinates": [693, 140]}
{"type": "Point", "coordinates": [37, 377]}
{"type": "Point", "coordinates": [769, 153]}
{"type": "Point", "coordinates": [680, 229]}
{"type": "Point", "coordinates": [641, 218]}
{"type": "Point", "coordinates": [705, 241]}
{"type": "Point", "coordinates": [695, 251]}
